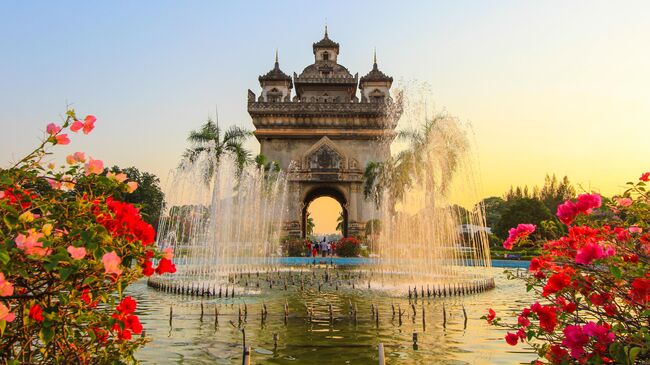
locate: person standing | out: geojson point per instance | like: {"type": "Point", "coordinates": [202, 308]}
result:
{"type": "Point", "coordinates": [308, 244]}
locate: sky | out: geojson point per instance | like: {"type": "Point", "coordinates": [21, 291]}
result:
{"type": "Point", "coordinates": [547, 87]}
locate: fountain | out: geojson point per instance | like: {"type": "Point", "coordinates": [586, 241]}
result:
{"type": "Point", "coordinates": [224, 224]}
{"type": "Point", "coordinates": [219, 220]}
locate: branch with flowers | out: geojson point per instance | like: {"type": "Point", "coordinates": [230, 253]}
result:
{"type": "Point", "coordinates": [67, 251]}
{"type": "Point", "coordinates": [593, 284]}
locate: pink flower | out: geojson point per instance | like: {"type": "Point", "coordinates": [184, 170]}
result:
{"type": "Point", "coordinates": [52, 129]}
{"type": "Point", "coordinates": [56, 185]}
{"type": "Point", "coordinates": [567, 212]}
{"type": "Point", "coordinates": [76, 126]}
{"type": "Point", "coordinates": [80, 156]}
{"type": "Point", "coordinates": [94, 166]}
{"type": "Point", "coordinates": [62, 139]}
{"type": "Point", "coordinates": [575, 340]}
{"type": "Point", "coordinates": [77, 253]}
{"type": "Point", "coordinates": [131, 186]}
{"type": "Point", "coordinates": [635, 229]}
{"type": "Point", "coordinates": [522, 231]}
{"type": "Point", "coordinates": [89, 123]}
{"type": "Point", "coordinates": [121, 177]}
{"type": "Point", "coordinates": [588, 202]}
{"type": "Point", "coordinates": [169, 253]}
{"type": "Point", "coordinates": [70, 159]}
{"type": "Point", "coordinates": [589, 252]}
{"type": "Point", "coordinates": [112, 263]}
{"type": "Point", "coordinates": [30, 244]}
{"type": "Point", "coordinates": [624, 202]}
{"type": "Point", "coordinates": [645, 176]}
{"type": "Point", "coordinates": [6, 288]}
{"type": "Point", "coordinates": [5, 315]}
{"type": "Point", "coordinates": [600, 333]}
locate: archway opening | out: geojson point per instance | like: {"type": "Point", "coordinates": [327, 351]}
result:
{"type": "Point", "coordinates": [324, 217]}
{"type": "Point", "coordinates": [324, 213]}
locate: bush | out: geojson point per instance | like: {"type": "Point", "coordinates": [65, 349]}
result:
{"type": "Point", "coordinates": [66, 249]}
{"type": "Point", "coordinates": [593, 284]}
{"type": "Point", "coordinates": [348, 247]}
{"type": "Point", "coordinates": [294, 247]}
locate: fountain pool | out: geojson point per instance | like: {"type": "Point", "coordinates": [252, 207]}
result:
{"type": "Point", "coordinates": [191, 339]}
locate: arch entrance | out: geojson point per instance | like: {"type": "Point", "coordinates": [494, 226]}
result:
{"type": "Point", "coordinates": [325, 191]}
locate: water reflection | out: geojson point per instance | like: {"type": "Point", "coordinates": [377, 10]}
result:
{"type": "Point", "coordinates": [329, 337]}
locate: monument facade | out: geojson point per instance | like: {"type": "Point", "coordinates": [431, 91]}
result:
{"type": "Point", "coordinates": [323, 131]}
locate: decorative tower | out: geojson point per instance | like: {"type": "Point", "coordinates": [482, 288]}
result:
{"type": "Point", "coordinates": [276, 85]}
{"type": "Point", "coordinates": [325, 136]}
{"type": "Point", "coordinates": [375, 85]}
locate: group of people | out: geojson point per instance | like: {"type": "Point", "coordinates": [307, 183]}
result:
{"type": "Point", "coordinates": [322, 248]}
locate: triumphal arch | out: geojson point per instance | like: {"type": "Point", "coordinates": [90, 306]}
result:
{"type": "Point", "coordinates": [324, 131]}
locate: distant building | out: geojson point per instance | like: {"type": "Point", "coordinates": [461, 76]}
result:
{"type": "Point", "coordinates": [317, 127]}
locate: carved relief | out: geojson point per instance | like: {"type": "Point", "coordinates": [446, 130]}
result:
{"type": "Point", "coordinates": [325, 159]}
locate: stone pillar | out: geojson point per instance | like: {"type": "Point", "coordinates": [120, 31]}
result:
{"type": "Point", "coordinates": [353, 213]}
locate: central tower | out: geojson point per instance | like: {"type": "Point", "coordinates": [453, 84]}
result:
{"type": "Point", "coordinates": [324, 134]}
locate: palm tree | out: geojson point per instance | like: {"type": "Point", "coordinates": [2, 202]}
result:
{"type": "Point", "coordinates": [339, 223]}
{"type": "Point", "coordinates": [209, 138]}
{"type": "Point", "coordinates": [397, 174]}
{"type": "Point", "coordinates": [309, 225]}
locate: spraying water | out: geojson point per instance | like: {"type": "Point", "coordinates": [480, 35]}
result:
{"type": "Point", "coordinates": [219, 220]}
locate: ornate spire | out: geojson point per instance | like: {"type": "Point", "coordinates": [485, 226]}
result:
{"type": "Point", "coordinates": [375, 74]}
{"type": "Point", "coordinates": [374, 59]}
{"type": "Point", "coordinates": [326, 42]}
{"type": "Point", "coordinates": [275, 73]}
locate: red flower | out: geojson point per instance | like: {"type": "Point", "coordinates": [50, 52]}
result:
{"type": "Point", "coordinates": [491, 315]}
{"type": "Point", "coordinates": [547, 316]}
{"type": "Point", "coordinates": [147, 268]}
{"type": "Point", "coordinates": [124, 220]}
{"type": "Point", "coordinates": [557, 282]}
{"type": "Point", "coordinates": [556, 354]}
{"type": "Point", "coordinates": [516, 234]}
{"type": "Point", "coordinates": [165, 266]}
{"type": "Point", "coordinates": [133, 323]}
{"type": "Point", "coordinates": [512, 338]}
{"type": "Point", "coordinates": [640, 291]}
{"type": "Point", "coordinates": [36, 313]}
{"type": "Point", "coordinates": [600, 299]}
{"type": "Point", "coordinates": [645, 176]}
{"type": "Point", "coordinates": [126, 306]}
{"type": "Point", "coordinates": [523, 321]}
{"type": "Point", "coordinates": [100, 334]}
{"type": "Point", "coordinates": [124, 334]}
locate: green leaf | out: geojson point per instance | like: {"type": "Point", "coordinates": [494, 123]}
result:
{"type": "Point", "coordinates": [65, 272]}
{"type": "Point", "coordinates": [10, 221]}
{"type": "Point", "coordinates": [616, 271]}
{"type": "Point", "coordinates": [46, 334]}
{"type": "Point", "coordinates": [3, 324]}
{"type": "Point", "coordinates": [4, 257]}
{"type": "Point", "coordinates": [634, 352]}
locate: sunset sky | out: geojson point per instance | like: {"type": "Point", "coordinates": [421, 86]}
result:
{"type": "Point", "coordinates": [548, 87]}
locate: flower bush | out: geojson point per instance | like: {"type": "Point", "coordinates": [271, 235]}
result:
{"type": "Point", "coordinates": [348, 247]}
{"type": "Point", "coordinates": [593, 283]}
{"type": "Point", "coordinates": [67, 251]}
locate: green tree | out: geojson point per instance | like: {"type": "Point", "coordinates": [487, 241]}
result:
{"type": "Point", "coordinates": [554, 193]}
{"type": "Point", "coordinates": [209, 137]}
{"type": "Point", "coordinates": [373, 226]}
{"type": "Point", "coordinates": [309, 225]}
{"type": "Point", "coordinates": [148, 196]}
{"type": "Point", "coordinates": [494, 207]}
{"type": "Point", "coordinates": [339, 222]}
{"type": "Point", "coordinates": [523, 210]}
